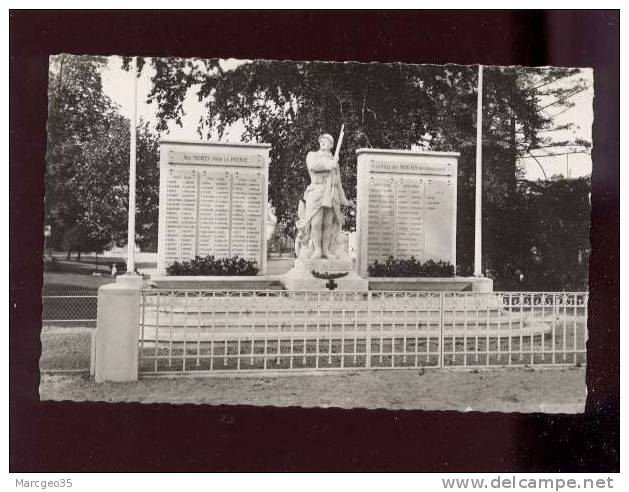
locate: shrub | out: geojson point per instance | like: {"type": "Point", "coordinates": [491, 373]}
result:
{"type": "Point", "coordinates": [213, 266]}
{"type": "Point", "coordinates": [410, 268]}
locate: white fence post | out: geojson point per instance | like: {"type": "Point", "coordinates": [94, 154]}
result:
{"type": "Point", "coordinates": [368, 331]}
{"type": "Point", "coordinates": [117, 332]}
{"type": "Point", "coordinates": [441, 340]}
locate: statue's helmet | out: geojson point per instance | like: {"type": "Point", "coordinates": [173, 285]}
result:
{"type": "Point", "coordinates": [328, 137]}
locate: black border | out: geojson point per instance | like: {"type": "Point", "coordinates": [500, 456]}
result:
{"type": "Point", "coordinates": [46, 436]}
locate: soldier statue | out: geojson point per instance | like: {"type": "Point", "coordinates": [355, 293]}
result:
{"type": "Point", "coordinates": [320, 219]}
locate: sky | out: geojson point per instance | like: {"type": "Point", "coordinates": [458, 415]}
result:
{"type": "Point", "coordinates": [582, 115]}
{"type": "Point", "coordinates": [117, 84]}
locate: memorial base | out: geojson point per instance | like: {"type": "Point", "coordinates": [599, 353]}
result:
{"type": "Point", "coordinates": [304, 280]}
{"type": "Point", "coordinates": [300, 277]}
{"type": "Point", "coordinates": [440, 284]}
{"type": "Point", "coordinates": [323, 265]}
{"type": "Point", "coordinates": [254, 282]}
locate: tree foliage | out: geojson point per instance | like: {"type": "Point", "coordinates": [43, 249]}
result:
{"type": "Point", "coordinates": [553, 231]}
{"type": "Point", "coordinates": [88, 162]}
{"type": "Point", "coordinates": [382, 105]}
{"type": "Point", "coordinates": [288, 104]}
{"type": "Point", "coordinates": [101, 184]}
{"type": "Point", "coordinates": [75, 108]}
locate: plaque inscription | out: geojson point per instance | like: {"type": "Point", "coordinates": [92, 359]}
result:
{"type": "Point", "coordinates": [409, 216]}
{"type": "Point", "coordinates": [214, 205]}
{"type": "Point", "coordinates": [407, 206]}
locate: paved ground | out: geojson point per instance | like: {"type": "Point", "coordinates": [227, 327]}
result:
{"type": "Point", "coordinates": [278, 266]}
{"type": "Point", "coordinates": [65, 348]}
{"type": "Point", "coordinates": [505, 390]}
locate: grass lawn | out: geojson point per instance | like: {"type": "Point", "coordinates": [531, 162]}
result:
{"type": "Point", "coordinates": [73, 275]}
{"type": "Point", "coordinates": [56, 282]}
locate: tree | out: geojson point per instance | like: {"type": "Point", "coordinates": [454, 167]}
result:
{"type": "Point", "coordinates": [554, 229]}
{"type": "Point", "coordinates": [147, 185]}
{"type": "Point", "coordinates": [101, 185]}
{"type": "Point", "coordinates": [288, 104]}
{"type": "Point", "coordinates": [88, 162]}
{"type": "Point", "coordinates": [76, 104]}
{"type": "Point", "coordinates": [519, 123]}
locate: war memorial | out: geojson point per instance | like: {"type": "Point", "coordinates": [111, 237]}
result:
{"type": "Point", "coordinates": [327, 312]}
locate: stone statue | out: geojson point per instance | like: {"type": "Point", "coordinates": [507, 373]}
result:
{"type": "Point", "coordinates": [321, 245]}
{"type": "Point", "coordinates": [320, 220]}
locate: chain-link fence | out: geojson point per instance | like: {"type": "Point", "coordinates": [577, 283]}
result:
{"type": "Point", "coordinates": [70, 308]}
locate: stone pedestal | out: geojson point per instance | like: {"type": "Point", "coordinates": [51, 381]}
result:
{"type": "Point", "coordinates": [131, 280]}
{"type": "Point", "coordinates": [322, 265]}
{"type": "Point", "coordinates": [482, 284]}
{"type": "Point", "coordinates": [300, 277]}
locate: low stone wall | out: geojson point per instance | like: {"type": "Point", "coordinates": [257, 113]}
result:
{"type": "Point", "coordinates": [275, 282]}
{"type": "Point", "coordinates": [256, 282]}
{"type": "Point", "coordinates": [463, 284]}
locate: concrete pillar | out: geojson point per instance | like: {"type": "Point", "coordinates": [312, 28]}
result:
{"type": "Point", "coordinates": [117, 332]}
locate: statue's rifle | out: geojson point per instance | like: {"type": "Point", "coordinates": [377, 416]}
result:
{"type": "Point", "coordinates": [339, 143]}
{"type": "Point", "coordinates": [336, 155]}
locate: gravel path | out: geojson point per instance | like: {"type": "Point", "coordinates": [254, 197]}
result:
{"type": "Point", "coordinates": [505, 390]}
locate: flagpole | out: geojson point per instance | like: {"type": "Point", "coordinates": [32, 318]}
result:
{"type": "Point", "coordinates": [478, 224]}
{"type": "Point", "coordinates": [132, 174]}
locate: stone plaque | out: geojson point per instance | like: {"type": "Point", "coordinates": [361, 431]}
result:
{"type": "Point", "coordinates": [406, 206]}
{"type": "Point", "coordinates": [212, 201]}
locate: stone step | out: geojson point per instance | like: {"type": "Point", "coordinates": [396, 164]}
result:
{"type": "Point", "coordinates": [233, 332]}
{"type": "Point", "coordinates": [197, 283]}
{"type": "Point", "coordinates": [347, 318]}
{"type": "Point", "coordinates": [324, 301]}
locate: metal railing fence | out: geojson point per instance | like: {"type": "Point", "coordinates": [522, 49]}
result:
{"type": "Point", "coordinates": [195, 331]}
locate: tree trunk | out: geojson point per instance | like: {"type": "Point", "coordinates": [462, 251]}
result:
{"type": "Point", "coordinates": [68, 255]}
